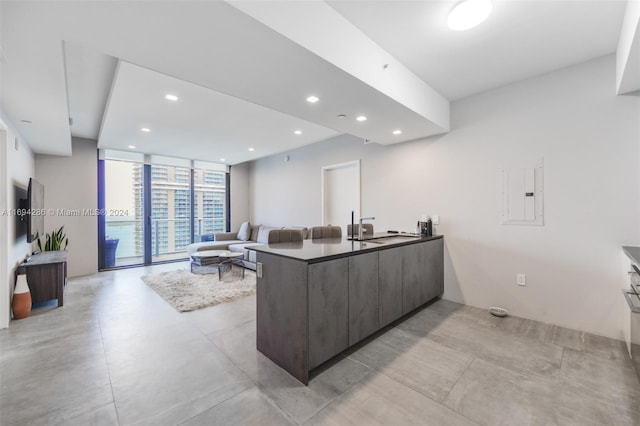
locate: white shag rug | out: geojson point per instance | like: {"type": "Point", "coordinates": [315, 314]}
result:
{"type": "Point", "coordinates": [188, 292]}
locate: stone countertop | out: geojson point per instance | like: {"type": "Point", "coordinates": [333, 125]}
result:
{"type": "Point", "coordinates": [313, 251]}
{"type": "Point", "coordinates": [47, 257]}
{"type": "Point", "coordinates": [633, 253]}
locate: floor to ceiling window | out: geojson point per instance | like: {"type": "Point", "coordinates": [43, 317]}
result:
{"type": "Point", "coordinates": [210, 202]}
{"type": "Point", "coordinates": [170, 212]}
{"type": "Point", "coordinates": [124, 244]}
{"type": "Point", "coordinates": [154, 207]}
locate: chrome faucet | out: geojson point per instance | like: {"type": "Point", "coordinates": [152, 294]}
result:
{"type": "Point", "coordinates": [360, 231]}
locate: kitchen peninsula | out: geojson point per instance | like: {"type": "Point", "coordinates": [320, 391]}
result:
{"type": "Point", "coordinates": [316, 298]}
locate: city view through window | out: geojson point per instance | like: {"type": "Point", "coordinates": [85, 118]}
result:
{"type": "Point", "coordinates": [172, 228]}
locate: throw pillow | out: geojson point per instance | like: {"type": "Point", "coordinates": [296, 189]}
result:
{"type": "Point", "coordinates": [243, 233]}
{"type": "Point", "coordinates": [263, 234]}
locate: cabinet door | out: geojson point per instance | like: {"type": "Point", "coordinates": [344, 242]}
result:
{"type": "Point", "coordinates": [328, 310]}
{"type": "Point", "coordinates": [390, 285]}
{"type": "Point", "coordinates": [412, 277]}
{"type": "Point", "coordinates": [363, 296]}
{"type": "Point", "coordinates": [433, 268]}
{"type": "Point", "coordinates": [281, 313]}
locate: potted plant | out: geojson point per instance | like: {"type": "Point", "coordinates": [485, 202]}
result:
{"type": "Point", "coordinates": [54, 241]}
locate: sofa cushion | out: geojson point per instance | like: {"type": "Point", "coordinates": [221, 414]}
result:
{"type": "Point", "coordinates": [254, 232]}
{"type": "Point", "coordinates": [225, 236]}
{"type": "Point", "coordinates": [244, 248]}
{"type": "Point", "coordinates": [251, 256]}
{"type": "Point", "coordinates": [245, 231]}
{"type": "Point", "coordinates": [211, 245]}
{"type": "Point", "coordinates": [263, 234]}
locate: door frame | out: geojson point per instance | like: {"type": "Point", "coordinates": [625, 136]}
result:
{"type": "Point", "coordinates": [325, 169]}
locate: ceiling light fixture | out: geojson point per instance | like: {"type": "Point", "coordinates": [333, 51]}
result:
{"type": "Point", "coordinates": [145, 129]}
{"type": "Point", "coordinates": [26, 121]}
{"type": "Point", "coordinates": [132, 147]}
{"type": "Point", "coordinates": [171, 97]}
{"type": "Point", "coordinates": [342, 116]}
{"type": "Point", "coordinates": [252, 149]}
{"type": "Point", "coordinates": [397, 132]}
{"type": "Point", "coordinates": [298, 132]}
{"type": "Point", "coordinates": [312, 99]}
{"type": "Point", "coordinates": [223, 160]}
{"type": "Point", "coordinates": [469, 13]}
{"type": "Point", "coordinates": [361, 118]}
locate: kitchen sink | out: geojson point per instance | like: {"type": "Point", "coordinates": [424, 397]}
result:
{"type": "Point", "coordinates": [393, 239]}
{"type": "Point", "coordinates": [388, 239]}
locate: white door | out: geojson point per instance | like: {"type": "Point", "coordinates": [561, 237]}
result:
{"type": "Point", "coordinates": [340, 194]}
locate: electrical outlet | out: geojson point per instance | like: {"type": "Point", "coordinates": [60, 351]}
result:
{"type": "Point", "coordinates": [259, 269]}
{"type": "Point", "coordinates": [435, 219]}
{"type": "Point", "coordinates": [521, 279]}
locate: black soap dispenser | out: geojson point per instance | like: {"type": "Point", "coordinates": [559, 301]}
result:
{"type": "Point", "coordinates": [429, 227]}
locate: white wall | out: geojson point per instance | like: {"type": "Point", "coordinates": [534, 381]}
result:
{"type": "Point", "coordinates": [590, 141]}
{"type": "Point", "coordinates": [17, 166]}
{"type": "Point", "coordinates": [239, 194]}
{"type": "Point", "coordinates": [71, 183]}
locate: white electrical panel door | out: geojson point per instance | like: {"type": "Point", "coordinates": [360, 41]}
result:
{"type": "Point", "coordinates": [521, 194]}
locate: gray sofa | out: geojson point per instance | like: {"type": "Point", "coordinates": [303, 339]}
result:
{"type": "Point", "coordinates": [243, 240]}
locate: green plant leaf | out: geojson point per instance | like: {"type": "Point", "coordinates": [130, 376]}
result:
{"type": "Point", "coordinates": [54, 240]}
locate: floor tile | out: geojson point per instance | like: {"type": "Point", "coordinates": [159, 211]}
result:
{"type": "Point", "coordinates": [300, 402]}
{"type": "Point", "coordinates": [566, 337]}
{"type": "Point", "coordinates": [605, 347]}
{"type": "Point", "coordinates": [224, 315]}
{"type": "Point", "coordinates": [492, 395]}
{"type": "Point", "coordinates": [104, 415]}
{"type": "Point", "coordinates": [379, 400]}
{"type": "Point", "coordinates": [488, 343]}
{"type": "Point", "coordinates": [118, 354]}
{"type": "Point", "coordinates": [613, 380]}
{"type": "Point", "coordinates": [139, 396]}
{"type": "Point", "coordinates": [50, 400]}
{"type": "Point", "coordinates": [250, 407]}
{"type": "Point", "coordinates": [421, 364]}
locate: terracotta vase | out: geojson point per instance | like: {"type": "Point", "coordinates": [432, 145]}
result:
{"type": "Point", "coordinates": [21, 298]}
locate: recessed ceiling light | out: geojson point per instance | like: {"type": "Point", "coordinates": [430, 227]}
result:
{"type": "Point", "coordinates": [252, 149]}
{"type": "Point", "coordinates": [145, 129]}
{"type": "Point", "coordinates": [361, 118]}
{"type": "Point", "coordinates": [298, 132]}
{"type": "Point", "coordinates": [171, 97]}
{"type": "Point", "coordinates": [132, 147]}
{"type": "Point", "coordinates": [397, 132]}
{"type": "Point", "coordinates": [342, 116]}
{"type": "Point", "coordinates": [223, 160]}
{"type": "Point", "coordinates": [26, 121]}
{"type": "Point", "coordinates": [469, 13]}
{"type": "Point", "coordinates": [312, 99]}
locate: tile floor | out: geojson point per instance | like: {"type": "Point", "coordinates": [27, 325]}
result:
{"type": "Point", "coordinates": [117, 354]}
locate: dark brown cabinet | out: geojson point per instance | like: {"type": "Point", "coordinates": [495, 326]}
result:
{"type": "Point", "coordinates": [310, 309]}
{"type": "Point", "coordinates": [328, 310]}
{"type": "Point", "coordinates": [363, 296]}
{"type": "Point", "coordinates": [390, 285]}
{"type": "Point", "coordinates": [432, 270]}
{"type": "Point", "coordinates": [46, 276]}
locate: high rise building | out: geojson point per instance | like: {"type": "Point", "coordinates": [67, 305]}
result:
{"type": "Point", "coordinates": [171, 206]}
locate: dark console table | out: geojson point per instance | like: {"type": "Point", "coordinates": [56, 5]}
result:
{"type": "Point", "coordinates": [46, 276]}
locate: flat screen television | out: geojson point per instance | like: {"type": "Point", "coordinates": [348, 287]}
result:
{"type": "Point", "coordinates": [35, 209]}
